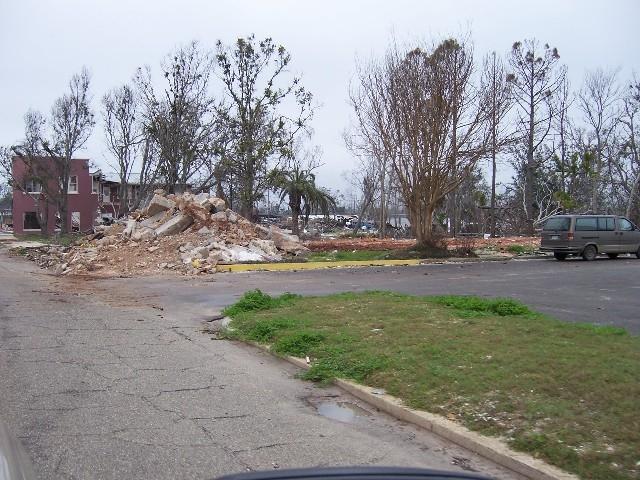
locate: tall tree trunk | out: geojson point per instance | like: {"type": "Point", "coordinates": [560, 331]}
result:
{"type": "Point", "coordinates": [597, 168]}
{"type": "Point", "coordinates": [295, 220]}
{"type": "Point", "coordinates": [632, 195]}
{"type": "Point", "coordinates": [493, 160]}
{"type": "Point", "coordinates": [64, 220]}
{"type": "Point", "coordinates": [43, 215]}
{"type": "Point", "coordinates": [529, 174]}
{"type": "Point", "coordinates": [383, 210]}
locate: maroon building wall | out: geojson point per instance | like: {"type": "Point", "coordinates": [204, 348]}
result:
{"type": "Point", "coordinates": [85, 202]}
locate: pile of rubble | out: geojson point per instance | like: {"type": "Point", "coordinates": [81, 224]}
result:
{"type": "Point", "coordinates": [185, 233]}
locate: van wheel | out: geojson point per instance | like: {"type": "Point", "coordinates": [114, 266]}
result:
{"type": "Point", "coordinates": [589, 253]}
{"type": "Point", "coordinates": [560, 256]}
{"type": "Point", "coordinates": [612, 255]}
{"type": "Point", "coordinates": [638, 253]}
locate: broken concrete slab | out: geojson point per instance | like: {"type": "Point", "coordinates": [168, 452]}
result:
{"type": "Point", "coordinates": [130, 228]}
{"type": "Point", "coordinates": [286, 242]}
{"type": "Point", "coordinates": [219, 217]}
{"type": "Point", "coordinates": [175, 225]}
{"type": "Point", "coordinates": [159, 204]}
{"type": "Point", "coordinates": [153, 220]}
{"type": "Point", "coordinates": [143, 234]}
{"type": "Point", "coordinates": [218, 203]}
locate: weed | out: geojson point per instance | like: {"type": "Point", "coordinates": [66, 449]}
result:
{"type": "Point", "coordinates": [298, 343]}
{"type": "Point", "coordinates": [256, 300]}
{"type": "Point", "coordinates": [470, 306]}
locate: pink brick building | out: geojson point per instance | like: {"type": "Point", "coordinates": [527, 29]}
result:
{"type": "Point", "coordinates": [83, 198]}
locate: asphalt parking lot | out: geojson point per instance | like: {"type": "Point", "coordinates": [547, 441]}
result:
{"type": "Point", "coordinates": [603, 292]}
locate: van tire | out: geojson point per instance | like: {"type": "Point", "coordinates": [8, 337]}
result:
{"type": "Point", "coordinates": [638, 253]}
{"type": "Point", "coordinates": [612, 255]}
{"type": "Point", "coordinates": [589, 253]}
{"type": "Point", "coordinates": [560, 256]}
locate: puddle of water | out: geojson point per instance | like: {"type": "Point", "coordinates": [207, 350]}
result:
{"type": "Point", "coordinates": [342, 411]}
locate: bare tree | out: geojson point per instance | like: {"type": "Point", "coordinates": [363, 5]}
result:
{"type": "Point", "coordinates": [536, 79]}
{"type": "Point", "coordinates": [432, 122]}
{"type": "Point", "coordinates": [629, 164]}
{"type": "Point", "coordinates": [261, 133]}
{"type": "Point", "coordinates": [34, 179]}
{"type": "Point", "coordinates": [498, 100]}
{"type": "Point", "coordinates": [562, 132]}
{"type": "Point", "coordinates": [182, 119]}
{"type": "Point", "coordinates": [597, 100]}
{"type": "Point", "coordinates": [123, 135]}
{"type": "Point", "coordinates": [49, 147]}
{"type": "Point", "coordinates": [373, 178]}
{"type": "Point", "coordinates": [71, 124]}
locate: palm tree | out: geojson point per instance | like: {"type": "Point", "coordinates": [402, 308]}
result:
{"type": "Point", "coordinates": [299, 186]}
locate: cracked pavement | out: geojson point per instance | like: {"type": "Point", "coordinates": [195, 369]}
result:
{"type": "Point", "coordinates": [102, 379]}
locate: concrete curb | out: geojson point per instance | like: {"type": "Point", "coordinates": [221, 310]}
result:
{"type": "Point", "coordinates": [488, 447]}
{"type": "Point", "coordinates": [273, 267]}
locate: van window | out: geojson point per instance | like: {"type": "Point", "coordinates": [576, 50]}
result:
{"type": "Point", "coordinates": [625, 225]}
{"type": "Point", "coordinates": [558, 223]}
{"type": "Point", "coordinates": [586, 223]}
{"type": "Point", "coordinates": [606, 223]}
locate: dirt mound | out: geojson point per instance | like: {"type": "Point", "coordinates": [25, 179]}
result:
{"type": "Point", "coordinates": [185, 233]}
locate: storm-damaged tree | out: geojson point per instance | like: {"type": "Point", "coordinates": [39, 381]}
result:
{"type": "Point", "coordinates": [296, 182]}
{"type": "Point", "coordinates": [598, 100]}
{"type": "Point", "coordinates": [266, 113]}
{"type": "Point", "coordinates": [536, 78]}
{"type": "Point", "coordinates": [182, 119]}
{"type": "Point", "coordinates": [34, 177]}
{"type": "Point", "coordinates": [71, 123]}
{"type": "Point", "coordinates": [498, 100]}
{"type": "Point", "coordinates": [628, 163]}
{"type": "Point", "coordinates": [123, 132]}
{"type": "Point", "coordinates": [49, 146]}
{"type": "Point", "coordinates": [432, 122]}
{"type": "Point", "coordinates": [373, 178]}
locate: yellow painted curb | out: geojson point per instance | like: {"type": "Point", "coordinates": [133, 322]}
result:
{"type": "Point", "coordinates": [272, 267]}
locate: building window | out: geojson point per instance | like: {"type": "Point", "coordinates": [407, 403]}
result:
{"type": "Point", "coordinates": [95, 185]}
{"type": "Point", "coordinates": [73, 184]}
{"type": "Point", "coordinates": [32, 186]}
{"type": "Point", "coordinates": [75, 221]}
{"type": "Point", "coordinates": [31, 221]}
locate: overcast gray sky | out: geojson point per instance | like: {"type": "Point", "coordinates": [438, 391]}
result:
{"type": "Point", "coordinates": [42, 43]}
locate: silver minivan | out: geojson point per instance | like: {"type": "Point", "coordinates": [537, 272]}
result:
{"type": "Point", "coordinates": [589, 235]}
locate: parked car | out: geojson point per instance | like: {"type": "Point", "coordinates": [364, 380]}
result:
{"type": "Point", "coordinates": [589, 235]}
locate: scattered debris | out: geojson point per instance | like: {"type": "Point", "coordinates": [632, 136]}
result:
{"type": "Point", "coordinates": [184, 233]}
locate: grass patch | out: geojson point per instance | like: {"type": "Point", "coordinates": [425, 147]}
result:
{"type": "Point", "coordinates": [416, 252]}
{"type": "Point", "coordinates": [566, 393]}
{"type": "Point", "coordinates": [521, 249]}
{"type": "Point", "coordinates": [469, 306]}
{"type": "Point", "coordinates": [255, 300]}
{"type": "Point", "coordinates": [348, 255]}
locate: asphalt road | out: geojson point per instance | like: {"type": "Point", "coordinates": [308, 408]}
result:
{"type": "Point", "coordinates": [604, 292]}
{"type": "Point", "coordinates": [115, 380]}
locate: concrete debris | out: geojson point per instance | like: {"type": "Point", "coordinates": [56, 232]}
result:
{"type": "Point", "coordinates": [286, 242]}
{"type": "Point", "coordinates": [183, 233]}
{"type": "Point", "coordinates": [174, 225]}
{"type": "Point", "coordinates": [159, 204]}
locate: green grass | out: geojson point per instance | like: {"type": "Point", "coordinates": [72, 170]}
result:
{"type": "Point", "coordinates": [521, 249]}
{"type": "Point", "coordinates": [566, 393]}
{"type": "Point", "coordinates": [398, 254]}
{"type": "Point", "coordinates": [346, 255]}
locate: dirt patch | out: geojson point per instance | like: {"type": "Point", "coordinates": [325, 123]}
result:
{"type": "Point", "coordinates": [501, 244]}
